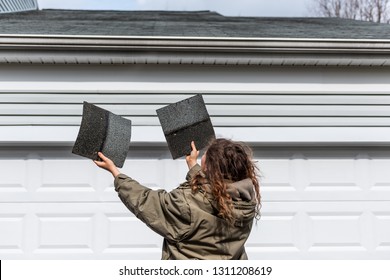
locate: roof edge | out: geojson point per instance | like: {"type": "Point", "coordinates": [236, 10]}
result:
{"type": "Point", "coordinates": [185, 38]}
{"type": "Point", "coordinates": [190, 43]}
{"type": "Point", "coordinates": [175, 50]}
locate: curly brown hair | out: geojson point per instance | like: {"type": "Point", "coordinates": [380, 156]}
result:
{"type": "Point", "coordinates": [227, 160]}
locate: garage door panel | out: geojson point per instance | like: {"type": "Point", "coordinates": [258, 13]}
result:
{"type": "Point", "coordinates": [67, 175]}
{"type": "Point", "coordinates": [64, 232]}
{"type": "Point", "coordinates": [321, 230]}
{"type": "Point", "coordinates": [12, 181]}
{"type": "Point", "coordinates": [127, 234]}
{"type": "Point", "coordinates": [380, 175]}
{"type": "Point", "coordinates": [277, 175]}
{"type": "Point", "coordinates": [276, 231]}
{"type": "Point", "coordinates": [11, 234]}
{"type": "Point", "coordinates": [329, 231]}
{"type": "Point", "coordinates": [381, 231]}
{"type": "Point", "coordinates": [324, 174]}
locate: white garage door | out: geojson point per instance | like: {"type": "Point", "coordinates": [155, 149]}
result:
{"type": "Point", "coordinates": [318, 203]}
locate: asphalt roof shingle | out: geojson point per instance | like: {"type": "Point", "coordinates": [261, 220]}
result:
{"type": "Point", "coordinates": [184, 24]}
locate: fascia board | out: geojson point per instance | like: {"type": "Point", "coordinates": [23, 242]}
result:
{"type": "Point", "coordinates": [42, 49]}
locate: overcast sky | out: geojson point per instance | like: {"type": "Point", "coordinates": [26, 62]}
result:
{"type": "Point", "coordinates": [284, 8]}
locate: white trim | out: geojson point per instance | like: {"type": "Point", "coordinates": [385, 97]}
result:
{"type": "Point", "coordinates": [189, 38]}
{"type": "Point", "coordinates": [195, 44]}
{"type": "Point", "coordinates": [193, 87]}
{"type": "Point", "coordinates": [153, 135]}
{"type": "Point", "coordinates": [60, 49]}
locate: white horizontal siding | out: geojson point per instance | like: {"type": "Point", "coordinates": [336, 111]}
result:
{"type": "Point", "coordinates": [235, 96]}
{"type": "Point", "coordinates": [231, 121]}
{"type": "Point", "coordinates": [220, 110]}
{"type": "Point", "coordinates": [225, 86]}
{"type": "Point", "coordinates": [224, 110]}
{"type": "Point", "coordinates": [210, 98]}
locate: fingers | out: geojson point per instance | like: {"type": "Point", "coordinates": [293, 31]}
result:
{"type": "Point", "coordinates": [99, 162]}
{"type": "Point", "coordinates": [194, 152]}
{"type": "Point", "coordinates": [103, 157]}
{"type": "Point", "coordinates": [107, 164]}
{"type": "Point", "coordinates": [193, 146]}
{"type": "Point", "coordinates": [104, 161]}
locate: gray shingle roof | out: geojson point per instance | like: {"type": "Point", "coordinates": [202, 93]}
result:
{"type": "Point", "coordinates": [184, 24]}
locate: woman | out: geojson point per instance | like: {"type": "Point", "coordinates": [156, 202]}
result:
{"type": "Point", "coordinates": [209, 216]}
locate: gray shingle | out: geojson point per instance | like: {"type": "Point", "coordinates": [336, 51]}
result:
{"type": "Point", "coordinates": [185, 24]}
{"type": "Point", "coordinates": [103, 131]}
{"type": "Point", "coordinates": [186, 121]}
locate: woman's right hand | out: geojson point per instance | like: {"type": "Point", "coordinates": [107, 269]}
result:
{"type": "Point", "coordinates": [191, 159]}
{"type": "Point", "coordinates": [107, 164]}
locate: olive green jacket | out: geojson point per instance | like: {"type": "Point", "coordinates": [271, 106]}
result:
{"type": "Point", "coordinates": [188, 221]}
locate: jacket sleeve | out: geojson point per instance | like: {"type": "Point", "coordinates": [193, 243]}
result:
{"type": "Point", "coordinates": [193, 171]}
{"type": "Point", "coordinates": [167, 213]}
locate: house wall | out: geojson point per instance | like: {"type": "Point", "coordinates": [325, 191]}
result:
{"type": "Point", "coordinates": [236, 96]}
{"type": "Point", "coordinates": [320, 136]}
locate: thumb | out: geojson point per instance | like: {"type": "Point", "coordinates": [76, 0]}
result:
{"type": "Point", "coordinates": [193, 145]}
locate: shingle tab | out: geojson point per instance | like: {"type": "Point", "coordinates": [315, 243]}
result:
{"type": "Point", "coordinates": [103, 131]}
{"type": "Point", "coordinates": [186, 121]}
